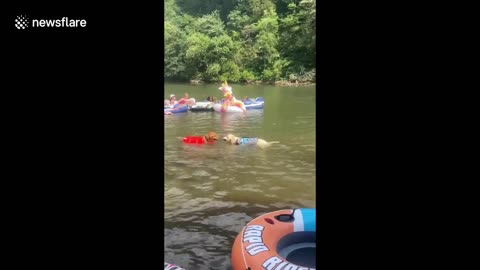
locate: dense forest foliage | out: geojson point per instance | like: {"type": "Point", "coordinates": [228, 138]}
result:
{"type": "Point", "coordinates": [240, 40]}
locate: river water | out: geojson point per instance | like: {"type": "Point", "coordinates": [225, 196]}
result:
{"type": "Point", "coordinates": [212, 191]}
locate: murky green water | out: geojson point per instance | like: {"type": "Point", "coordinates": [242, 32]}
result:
{"type": "Point", "coordinates": [211, 191]}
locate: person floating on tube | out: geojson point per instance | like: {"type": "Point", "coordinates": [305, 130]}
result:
{"type": "Point", "coordinates": [229, 98]}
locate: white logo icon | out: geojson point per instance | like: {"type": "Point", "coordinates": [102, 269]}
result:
{"type": "Point", "coordinates": [21, 22]}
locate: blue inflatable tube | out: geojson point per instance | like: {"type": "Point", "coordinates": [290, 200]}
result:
{"type": "Point", "coordinates": [176, 109]}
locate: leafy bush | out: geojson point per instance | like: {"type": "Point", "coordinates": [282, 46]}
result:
{"type": "Point", "coordinates": [241, 40]}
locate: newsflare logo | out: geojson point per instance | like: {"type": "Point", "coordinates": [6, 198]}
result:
{"type": "Point", "coordinates": [22, 22]}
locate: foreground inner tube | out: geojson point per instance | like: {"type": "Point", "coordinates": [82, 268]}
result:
{"type": "Point", "coordinates": [284, 239]}
{"type": "Point", "coordinates": [168, 266]}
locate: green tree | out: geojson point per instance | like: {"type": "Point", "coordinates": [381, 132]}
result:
{"type": "Point", "coordinates": [254, 8]}
{"type": "Point", "coordinates": [199, 8]}
{"type": "Point", "coordinates": [297, 39]}
{"type": "Point", "coordinates": [266, 43]}
{"type": "Point", "coordinates": [240, 40]}
{"type": "Point", "coordinates": [174, 48]}
{"type": "Point", "coordinates": [197, 55]}
{"type": "Point", "coordinates": [237, 21]}
{"type": "Point", "coordinates": [210, 25]}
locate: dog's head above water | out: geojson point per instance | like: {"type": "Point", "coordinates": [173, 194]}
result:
{"type": "Point", "coordinates": [211, 136]}
{"type": "Point", "coordinates": [230, 139]}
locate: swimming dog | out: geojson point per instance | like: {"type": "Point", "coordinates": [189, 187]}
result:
{"type": "Point", "coordinates": [231, 139]}
{"type": "Point", "coordinates": [210, 137]}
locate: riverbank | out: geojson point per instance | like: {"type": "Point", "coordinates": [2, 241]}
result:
{"type": "Point", "coordinates": [295, 83]}
{"type": "Point", "coordinates": [276, 83]}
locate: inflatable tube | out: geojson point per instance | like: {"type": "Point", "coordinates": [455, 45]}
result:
{"type": "Point", "coordinates": [250, 104]}
{"type": "Point", "coordinates": [176, 109]}
{"type": "Point", "coordinates": [250, 101]}
{"type": "Point", "coordinates": [196, 140]}
{"type": "Point", "coordinates": [219, 108]}
{"type": "Point", "coordinates": [284, 239]}
{"type": "Point", "coordinates": [168, 266]}
{"type": "Point", "coordinates": [202, 106]}
{"type": "Point", "coordinates": [166, 103]}
{"type": "Point", "coordinates": [254, 106]}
